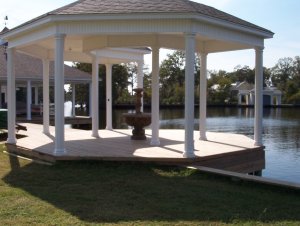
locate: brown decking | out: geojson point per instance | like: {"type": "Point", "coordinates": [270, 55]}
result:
{"type": "Point", "coordinates": [38, 119]}
{"type": "Point", "coordinates": [222, 150]}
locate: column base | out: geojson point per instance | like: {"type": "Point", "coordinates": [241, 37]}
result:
{"type": "Point", "coordinates": [258, 144]}
{"type": "Point", "coordinates": [189, 155]}
{"type": "Point", "coordinates": [96, 135]}
{"type": "Point", "coordinates": [11, 140]}
{"type": "Point", "coordinates": [155, 143]}
{"type": "Point", "coordinates": [204, 138]}
{"type": "Point", "coordinates": [109, 128]}
{"type": "Point", "coordinates": [46, 132]}
{"type": "Point", "coordinates": [59, 151]}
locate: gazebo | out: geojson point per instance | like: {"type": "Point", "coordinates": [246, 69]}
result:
{"type": "Point", "coordinates": [77, 31]}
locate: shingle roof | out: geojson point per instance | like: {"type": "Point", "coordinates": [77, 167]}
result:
{"type": "Point", "coordinates": [30, 67]}
{"type": "Point", "coordinates": [148, 6]}
{"type": "Point", "coordinates": [85, 7]}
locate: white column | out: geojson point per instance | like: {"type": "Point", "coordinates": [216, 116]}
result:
{"type": "Point", "coordinates": [73, 100]}
{"type": "Point", "coordinates": [155, 97]}
{"type": "Point", "coordinates": [95, 98]}
{"type": "Point", "coordinates": [189, 95]}
{"type": "Point", "coordinates": [278, 100]}
{"type": "Point", "coordinates": [90, 98]}
{"type": "Point", "coordinates": [258, 96]}
{"type": "Point", "coordinates": [46, 101]}
{"type": "Point", "coordinates": [140, 80]}
{"type": "Point", "coordinates": [203, 96]}
{"type": "Point", "coordinates": [59, 95]}
{"type": "Point", "coordinates": [239, 99]}
{"type": "Point", "coordinates": [36, 95]}
{"type": "Point", "coordinates": [29, 99]}
{"type": "Point", "coordinates": [11, 97]}
{"type": "Point", "coordinates": [108, 96]}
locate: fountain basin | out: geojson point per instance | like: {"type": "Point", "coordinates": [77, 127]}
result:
{"type": "Point", "coordinates": [138, 121]}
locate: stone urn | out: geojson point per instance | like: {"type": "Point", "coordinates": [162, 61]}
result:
{"type": "Point", "coordinates": [138, 120]}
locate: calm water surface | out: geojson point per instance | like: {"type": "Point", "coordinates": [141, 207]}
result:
{"type": "Point", "coordinates": [281, 134]}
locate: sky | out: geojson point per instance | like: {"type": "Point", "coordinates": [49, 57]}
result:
{"type": "Point", "coordinates": [281, 17]}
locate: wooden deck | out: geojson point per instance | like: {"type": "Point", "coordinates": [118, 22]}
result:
{"type": "Point", "coordinates": [222, 150]}
{"type": "Point", "coordinates": [38, 119]}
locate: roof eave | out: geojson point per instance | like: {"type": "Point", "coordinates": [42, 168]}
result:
{"type": "Point", "coordinates": [49, 19]}
{"type": "Point", "coordinates": [255, 31]}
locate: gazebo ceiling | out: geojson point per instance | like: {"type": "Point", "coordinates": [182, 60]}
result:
{"type": "Point", "coordinates": [96, 24]}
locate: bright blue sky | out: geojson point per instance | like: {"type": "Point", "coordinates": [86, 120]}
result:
{"type": "Point", "coordinates": [281, 17]}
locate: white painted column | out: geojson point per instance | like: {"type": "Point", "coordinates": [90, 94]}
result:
{"type": "Point", "coordinates": [140, 79]}
{"type": "Point", "coordinates": [46, 99]}
{"type": "Point", "coordinates": [203, 96]}
{"type": "Point", "coordinates": [189, 95]}
{"type": "Point", "coordinates": [95, 98]}
{"type": "Point", "coordinates": [278, 100]}
{"type": "Point", "coordinates": [239, 99]}
{"type": "Point", "coordinates": [73, 99]}
{"type": "Point", "coordinates": [90, 99]}
{"type": "Point", "coordinates": [59, 95]}
{"type": "Point", "coordinates": [11, 96]}
{"type": "Point", "coordinates": [258, 126]}
{"type": "Point", "coordinates": [36, 95]}
{"type": "Point", "coordinates": [29, 99]}
{"type": "Point", "coordinates": [108, 96]}
{"type": "Point", "coordinates": [155, 97]}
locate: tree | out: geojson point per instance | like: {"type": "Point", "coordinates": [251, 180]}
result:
{"type": "Point", "coordinates": [172, 78]}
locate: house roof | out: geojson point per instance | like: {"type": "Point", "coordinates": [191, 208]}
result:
{"type": "Point", "coordinates": [88, 7]}
{"type": "Point", "coordinates": [27, 67]}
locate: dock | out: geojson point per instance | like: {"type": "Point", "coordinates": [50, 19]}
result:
{"type": "Point", "coordinates": [70, 120]}
{"type": "Point", "coordinates": [224, 151]}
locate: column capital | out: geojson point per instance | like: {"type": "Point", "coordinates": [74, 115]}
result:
{"type": "Point", "coordinates": [203, 54]}
{"type": "Point", "coordinates": [259, 48]}
{"type": "Point", "coordinates": [59, 36]}
{"type": "Point", "coordinates": [107, 65]}
{"type": "Point", "coordinates": [155, 47]}
{"type": "Point", "coordinates": [190, 35]}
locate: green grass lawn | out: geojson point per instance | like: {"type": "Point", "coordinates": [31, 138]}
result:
{"type": "Point", "coordinates": [88, 193]}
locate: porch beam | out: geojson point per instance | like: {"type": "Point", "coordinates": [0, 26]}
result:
{"type": "Point", "coordinates": [59, 95]}
{"type": "Point", "coordinates": [155, 97]}
{"type": "Point", "coordinates": [46, 100]}
{"type": "Point", "coordinates": [108, 96]}
{"type": "Point", "coordinates": [29, 100]}
{"type": "Point", "coordinates": [11, 96]}
{"type": "Point", "coordinates": [95, 98]}
{"type": "Point", "coordinates": [203, 96]}
{"type": "Point", "coordinates": [140, 80]}
{"type": "Point", "coordinates": [36, 95]}
{"type": "Point", "coordinates": [189, 95]}
{"type": "Point", "coordinates": [73, 99]}
{"type": "Point", "coordinates": [258, 126]}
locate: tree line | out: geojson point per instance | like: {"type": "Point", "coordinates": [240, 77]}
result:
{"type": "Point", "coordinates": [285, 75]}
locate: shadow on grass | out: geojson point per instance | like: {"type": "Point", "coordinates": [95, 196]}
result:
{"type": "Point", "coordinates": [100, 192]}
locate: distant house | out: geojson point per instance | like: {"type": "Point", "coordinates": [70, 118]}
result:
{"type": "Point", "coordinates": [246, 95]}
{"type": "Point", "coordinates": [29, 71]}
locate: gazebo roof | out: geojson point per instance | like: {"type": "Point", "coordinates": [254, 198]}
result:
{"type": "Point", "coordinates": [91, 25]}
{"type": "Point", "coordinates": [102, 7]}
{"type": "Point", "coordinates": [147, 6]}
